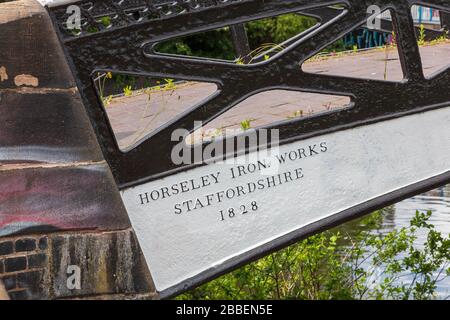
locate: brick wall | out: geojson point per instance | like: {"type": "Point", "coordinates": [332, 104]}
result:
{"type": "Point", "coordinates": [22, 266]}
{"type": "Point", "coordinates": [111, 265]}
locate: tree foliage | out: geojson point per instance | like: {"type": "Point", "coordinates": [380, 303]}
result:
{"type": "Point", "coordinates": [336, 265]}
{"type": "Point", "coordinates": [218, 43]}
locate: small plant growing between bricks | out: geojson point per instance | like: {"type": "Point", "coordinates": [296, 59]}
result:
{"type": "Point", "coordinates": [246, 124]}
{"type": "Point", "coordinates": [421, 40]}
{"type": "Point", "coordinates": [296, 114]}
{"type": "Point", "coordinates": [127, 91]}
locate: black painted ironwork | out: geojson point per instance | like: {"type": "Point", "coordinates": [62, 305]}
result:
{"type": "Point", "coordinates": [445, 20]}
{"type": "Point", "coordinates": [126, 46]}
{"type": "Point", "coordinates": [240, 40]}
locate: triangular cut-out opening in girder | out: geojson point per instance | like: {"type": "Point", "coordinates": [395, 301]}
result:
{"type": "Point", "coordinates": [367, 52]}
{"type": "Point", "coordinates": [138, 106]}
{"type": "Point", "coordinates": [247, 43]}
{"type": "Point", "coordinates": [268, 108]}
{"type": "Point", "coordinates": [432, 32]}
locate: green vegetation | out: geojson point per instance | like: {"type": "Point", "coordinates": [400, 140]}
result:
{"type": "Point", "coordinates": [101, 81]}
{"type": "Point", "coordinates": [246, 124]}
{"type": "Point", "coordinates": [296, 114]}
{"type": "Point", "coordinates": [337, 265]}
{"type": "Point", "coordinates": [167, 85]}
{"type": "Point", "coordinates": [277, 29]}
{"type": "Point", "coordinates": [212, 44]}
{"type": "Point", "coordinates": [250, 58]}
{"type": "Point", "coordinates": [106, 21]}
{"type": "Point", "coordinates": [127, 91]}
{"type": "Point", "coordinates": [218, 43]}
{"type": "Point", "coordinates": [421, 40]}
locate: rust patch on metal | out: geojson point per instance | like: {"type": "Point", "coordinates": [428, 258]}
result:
{"type": "Point", "coordinates": [3, 74]}
{"type": "Point", "coordinates": [28, 90]}
{"type": "Point", "coordinates": [26, 80]}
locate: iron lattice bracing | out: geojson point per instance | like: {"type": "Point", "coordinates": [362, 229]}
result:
{"type": "Point", "coordinates": [136, 26]}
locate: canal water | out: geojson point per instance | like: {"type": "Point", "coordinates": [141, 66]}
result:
{"type": "Point", "coordinates": [399, 215]}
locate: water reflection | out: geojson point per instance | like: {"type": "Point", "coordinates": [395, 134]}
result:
{"type": "Point", "coordinates": [400, 214]}
{"type": "Point", "coordinates": [438, 201]}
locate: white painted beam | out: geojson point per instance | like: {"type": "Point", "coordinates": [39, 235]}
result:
{"type": "Point", "coordinates": [359, 165]}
